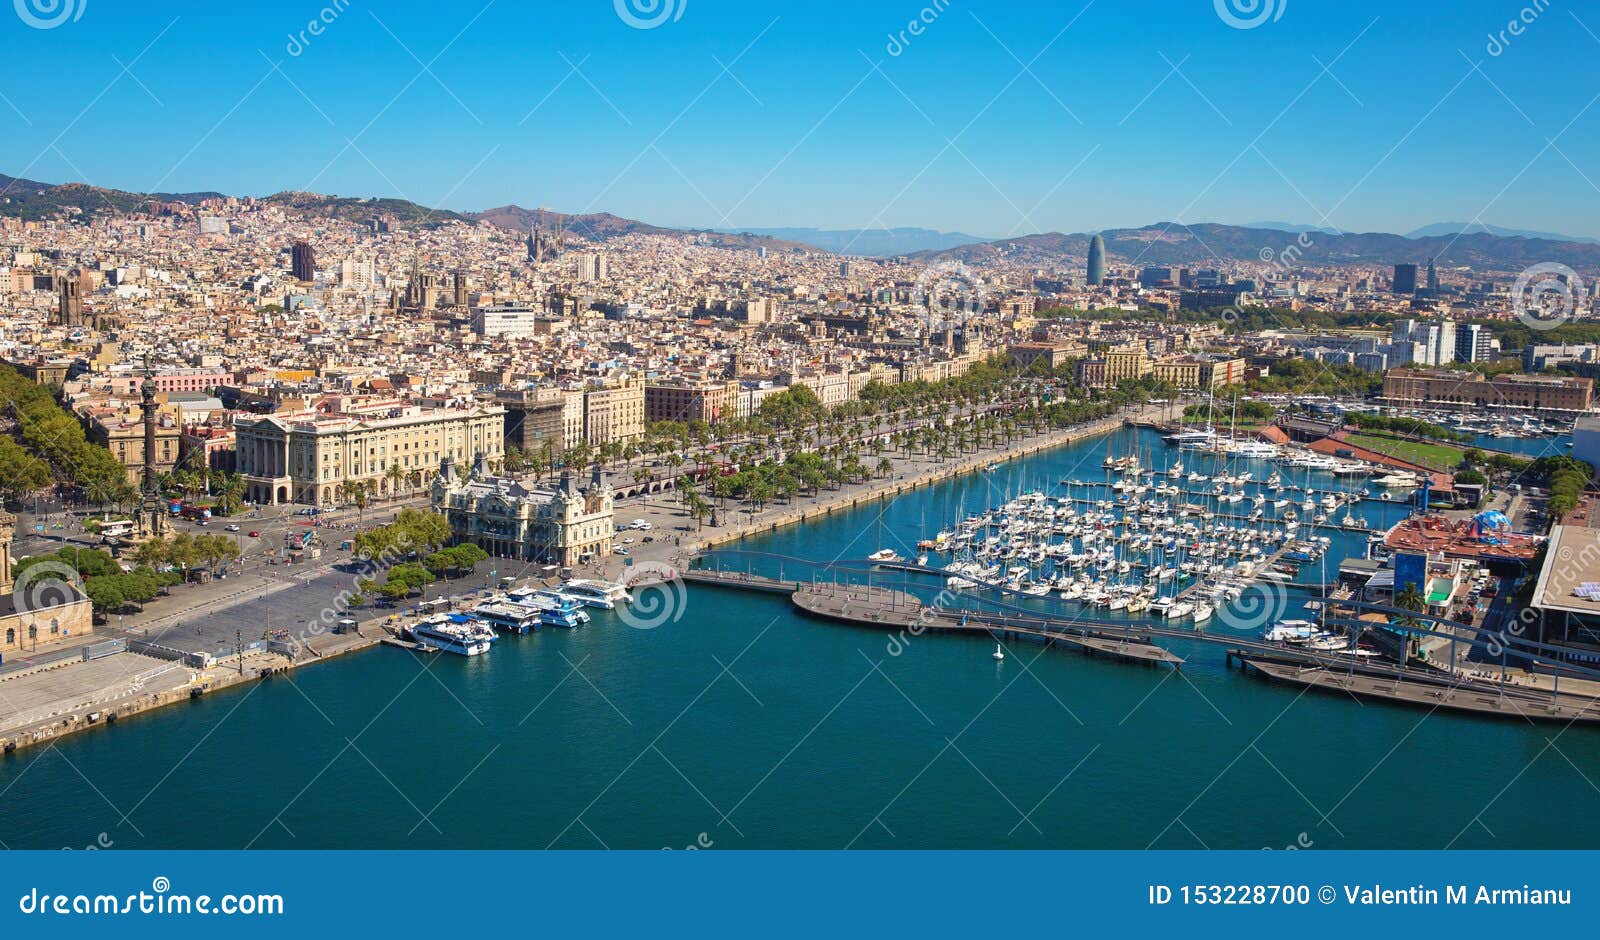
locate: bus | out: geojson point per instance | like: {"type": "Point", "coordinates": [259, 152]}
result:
{"type": "Point", "coordinates": [119, 529]}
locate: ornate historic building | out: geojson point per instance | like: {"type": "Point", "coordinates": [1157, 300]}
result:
{"type": "Point", "coordinates": [45, 607]}
{"type": "Point", "coordinates": [565, 526]}
{"type": "Point", "coordinates": [304, 458]}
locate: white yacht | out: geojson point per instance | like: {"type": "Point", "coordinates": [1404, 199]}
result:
{"type": "Point", "coordinates": [595, 593]}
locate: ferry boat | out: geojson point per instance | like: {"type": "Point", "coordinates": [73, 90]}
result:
{"type": "Point", "coordinates": [503, 615]}
{"type": "Point", "coordinates": [595, 593]}
{"type": "Point", "coordinates": [452, 633]}
{"type": "Point", "coordinates": [551, 607]}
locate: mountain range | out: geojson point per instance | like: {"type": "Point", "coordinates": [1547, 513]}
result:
{"type": "Point", "coordinates": [1452, 244]}
{"type": "Point", "coordinates": [871, 242]}
{"type": "Point", "coordinates": [1170, 243]}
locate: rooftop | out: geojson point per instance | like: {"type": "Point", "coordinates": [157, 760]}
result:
{"type": "Point", "coordinates": [1437, 535]}
{"type": "Point", "coordinates": [1572, 562]}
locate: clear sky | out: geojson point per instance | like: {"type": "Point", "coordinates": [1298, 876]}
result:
{"type": "Point", "coordinates": [1000, 118]}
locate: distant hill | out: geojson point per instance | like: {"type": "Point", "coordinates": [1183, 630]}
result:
{"type": "Point", "coordinates": [30, 199]}
{"type": "Point", "coordinates": [871, 242]}
{"type": "Point", "coordinates": [1204, 243]}
{"type": "Point", "coordinates": [1452, 228]}
{"type": "Point", "coordinates": [600, 226]}
{"type": "Point", "coordinates": [1291, 227]}
{"type": "Point", "coordinates": [356, 209]}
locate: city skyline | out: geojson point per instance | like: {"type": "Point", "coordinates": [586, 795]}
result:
{"type": "Point", "coordinates": [1001, 121]}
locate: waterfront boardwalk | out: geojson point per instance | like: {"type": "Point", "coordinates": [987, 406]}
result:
{"type": "Point", "coordinates": [880, 607]}
{"type": "Point", "coordinates": [1425, 690]}
{"type": "Point", "coordinates": [901, 613]}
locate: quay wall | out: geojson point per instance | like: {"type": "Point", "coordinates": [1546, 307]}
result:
{"type": "Point", "coordinates": [75, 718]}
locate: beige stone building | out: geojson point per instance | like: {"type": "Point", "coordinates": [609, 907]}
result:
{"type": "Point", "coordinates": [304, 458]}
{"type": "Point", "coordinates": [1129, 362]}
{"type": "Point", "coordinates": [46, 607]}
{"type": "Point", "coordinates": [614, 413]}
{"type": "Point", "coordinates": [1199, 371]}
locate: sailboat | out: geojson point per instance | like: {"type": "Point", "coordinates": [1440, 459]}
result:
{"type": "Point", "coordinates": [999, 654]}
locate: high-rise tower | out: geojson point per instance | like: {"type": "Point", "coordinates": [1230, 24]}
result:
{"type": "Point", "coordinates": [1097, 261]}
{"type": "Point", "coordinates": [302, 261]}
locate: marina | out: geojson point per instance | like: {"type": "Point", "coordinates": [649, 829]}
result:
{"type": "Point", "coordinates": [591, 701]}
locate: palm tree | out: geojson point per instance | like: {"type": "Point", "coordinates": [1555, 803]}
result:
{"type": "Point", "coordinates": [395, 476]}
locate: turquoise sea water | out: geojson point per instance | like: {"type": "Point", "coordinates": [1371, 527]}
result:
{"type": "Point", "coordinates": [742, 725]}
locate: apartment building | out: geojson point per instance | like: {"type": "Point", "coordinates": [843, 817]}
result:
{"type": "Point", "coordinates": [691, 400]}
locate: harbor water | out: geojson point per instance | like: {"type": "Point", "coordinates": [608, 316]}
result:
{"type": "Point", "coordinates": [737, 724]}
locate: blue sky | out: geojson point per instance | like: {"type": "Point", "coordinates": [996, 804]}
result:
{"type": "Point", "coordinates": [750, 114]}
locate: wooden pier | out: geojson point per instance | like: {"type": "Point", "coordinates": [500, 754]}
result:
{"type": "Point", "coordinates": [1265, 519]}
{"type": "Point", "coordinates": [880, 607]}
